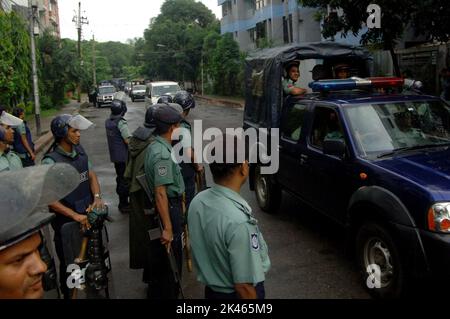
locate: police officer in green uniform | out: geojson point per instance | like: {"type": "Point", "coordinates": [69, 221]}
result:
{"type": "Point", "coordinates": [189, 167]}
{"type": "Point", "coordinates": [9, 160]}
{"type": "Point", "coordinates": [25, 194]}
{"type": "Point", "coordinates": [166, 182]}
{"type": "Point", "coordinates": [230, 254]}
{"type": "Point", "coordinates": [291, 84]}
{"type": "Point", "coordinates": [67, 149]}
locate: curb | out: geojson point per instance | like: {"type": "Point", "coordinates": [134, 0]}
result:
{"type": "Point", "coordinates": [221, 102]}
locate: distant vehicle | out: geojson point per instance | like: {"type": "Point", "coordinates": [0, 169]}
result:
{"type": "Point", "coordinates": [138, 93]}
{"type": "Point", "coordinates": [105, 83]}
{"type": "Point", "coordinates": [105, 95]}
{"type": "Point", "coordinates": [156, 89]}
{"type": "Point", "coordinates": [127, 87]}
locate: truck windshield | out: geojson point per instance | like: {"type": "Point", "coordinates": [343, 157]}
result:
{"type": "Point", "coordinates": [165, 89]}
{"type": "Point", "coordinates": [383, 129]}
{"type": "Point", "coordinates": [107, 90]}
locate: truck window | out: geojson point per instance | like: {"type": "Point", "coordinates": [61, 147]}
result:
{"type": "Point", "coordinates": [293, 122]}
{"type": "Point", "coordinates": [326, 126]}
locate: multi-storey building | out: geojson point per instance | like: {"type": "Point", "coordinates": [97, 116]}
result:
{"type": "Point", "coordinates": [47, 9]}
{"type": "Point", "coordinates": [271, 22]}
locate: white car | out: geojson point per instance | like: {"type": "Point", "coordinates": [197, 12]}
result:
{"type": "Point", "coordinates": [156, 89]}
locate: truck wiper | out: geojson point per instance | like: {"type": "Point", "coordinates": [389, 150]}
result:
{"type": "Point", "coordinates": [411, 148]}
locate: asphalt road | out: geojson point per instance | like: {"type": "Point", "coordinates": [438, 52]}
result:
{"type": "Point", "coordinates": [307, 251]}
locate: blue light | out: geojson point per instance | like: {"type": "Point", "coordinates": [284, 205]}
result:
{"type": "Point", "coordinates": [333, 85]}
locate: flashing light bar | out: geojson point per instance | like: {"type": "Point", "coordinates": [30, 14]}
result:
{"type": "Point", "coordinates": [355, 83]}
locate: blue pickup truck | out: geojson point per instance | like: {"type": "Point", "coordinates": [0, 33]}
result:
{"type": "Point", "coordinates": [377, 161]}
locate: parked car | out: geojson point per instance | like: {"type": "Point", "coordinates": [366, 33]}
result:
{"type": "Point", "coordinates": [156, 89]}
{"type": "Point", "coordinates": [138, 93]}
{"type": "Point", "coordinates": [105, 95]}
{"type": "Point", "coordinates": [371, 158]}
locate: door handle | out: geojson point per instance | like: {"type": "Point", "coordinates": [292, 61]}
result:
{"type": "Point", "coordinates": [303, 159]}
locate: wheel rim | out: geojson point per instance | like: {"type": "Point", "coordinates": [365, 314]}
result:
{"type": "Point", "coordinates": [261, 189]}
{"type": "Point", "coordinates": [376, 252]}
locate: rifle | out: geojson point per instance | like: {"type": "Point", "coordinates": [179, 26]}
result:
{"type": "Point", "coordinates": [200, 181]}
{"type": "Point", "coordinates": [156, 234]}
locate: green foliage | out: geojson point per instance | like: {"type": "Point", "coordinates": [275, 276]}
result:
{"type": "Point", "coordinates": [59, 66]}
{"type": "Point", "coordinates": [15, 69]}
{"type": "Point", "coordinates": [429, 18]}
{"type": "Point", "coordinates": [173, 42]}
{"type": "Point", "coordinates": [225, 66]}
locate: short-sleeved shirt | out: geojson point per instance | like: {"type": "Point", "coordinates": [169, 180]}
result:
{"type": "Point", "coordinates": [227, 245]}
{"type": "Point", "coordinates": [123, 128]}
{"type": "Point", "coordinates": [288, 85]}
{"type": "Point", "coordinates": [50, 161]}
{"type": "Point", "coordinates": [9, 161]}
{"type": "Point", "coordinates": [21, 129]}
{"type": "Point", "coordinates": [161, 169]}
{"type": "Point", "coordinates": [334, 135]}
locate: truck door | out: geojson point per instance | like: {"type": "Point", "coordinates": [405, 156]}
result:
{"type": "Point", "coordinates": [291, 140]}
{"type": "Point", "coordinates": [328, 178]}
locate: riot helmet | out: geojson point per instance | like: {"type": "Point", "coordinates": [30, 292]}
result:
{"type": "Point", "coordinates": [60, 124]}
{"type": "Point", "coordinates": [30, 190]}
{"type": "Point", "coordinates": [185, 99]}
{"type": "Point", "coordinates": [118, 108]}
{"type": "Point", "coordinates": [165, 99]}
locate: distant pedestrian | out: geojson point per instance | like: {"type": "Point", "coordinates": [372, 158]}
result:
{"type": "Point", "coordinates": [23, 141]}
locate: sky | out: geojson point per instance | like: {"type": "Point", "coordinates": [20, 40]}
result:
{"type": "Point", "coordinates": [114, 20]}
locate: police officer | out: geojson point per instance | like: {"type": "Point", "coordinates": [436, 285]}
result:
{"type": "Point", "coordinates": [140, 223]}
{"type": "Point", "coordinates": [166, 182]}
{"type": "Point", "coordinates": [9, 160]}
{"type": "Point", "coordinates": [23, 142]}
{"type": "Point", "coordinates": [189, 168]}
{"type": "Point", "coordinates": [118, 135]}
{"type": "Point", "coordinates": [342, 71]}
{"type": "Point", "coordinates": [67, 149]}
{"type": "Point", "coordinates": [230, 254]}
{"type": "Point", "coordinates": [29, 191]}
{"type": "Point", "coordinates": [291, 84]}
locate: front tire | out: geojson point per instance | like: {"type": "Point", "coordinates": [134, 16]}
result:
{"type": "Point", "coordinates": [378, 256]}
{"type": "Point", "coordinates": [268, 193]}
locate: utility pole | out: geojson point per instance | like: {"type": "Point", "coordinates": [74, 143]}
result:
{"type": "Point", "coordinates": [288, 21]}
{"type": "Point", "coordinates": [203, 76]}
{"type": "Point", "coordinates": [94, 71]}
{"type": "Point", "coordinates": [79, 21]}
{"type": "Point", "coordinates": [37, 104]}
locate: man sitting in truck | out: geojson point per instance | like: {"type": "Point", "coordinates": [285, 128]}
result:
{"type": "Point", "coordinates": [291, 84]}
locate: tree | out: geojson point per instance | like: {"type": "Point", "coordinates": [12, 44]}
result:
{"type": "Point", "coordinates": [174, 40]}
{"type": "Point", "coordinates": [15, 67]}
{"type": "Point", "coordinates": [428, 18]}
{"type": "Point", "coordinates": [225, 66]}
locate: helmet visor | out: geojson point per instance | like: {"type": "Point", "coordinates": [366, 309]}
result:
{"type": "Point", "coordinates": [79, 122]}
{"type": "Point", "coordinates": [10, 120]}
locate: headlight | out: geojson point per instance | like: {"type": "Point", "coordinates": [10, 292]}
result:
{"type": "Point", "coordinates": [439, 218]}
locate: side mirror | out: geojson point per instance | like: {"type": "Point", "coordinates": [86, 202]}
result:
{"type": "Point", "coordinates": [335, 147]}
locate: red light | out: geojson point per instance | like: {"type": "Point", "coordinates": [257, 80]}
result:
{"type": "Point", "coordinates": [386, 82]}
